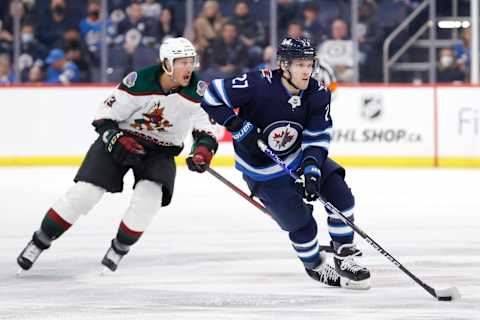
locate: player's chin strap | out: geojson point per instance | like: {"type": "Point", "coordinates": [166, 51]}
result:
{"type": "Point", "coordinates": [289, 78]}
{"type": "Point", "coordinates": [170, 74]}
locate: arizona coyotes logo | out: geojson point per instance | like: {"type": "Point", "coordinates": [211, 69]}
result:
{"type": "Point", "coordinates": [153, 120]}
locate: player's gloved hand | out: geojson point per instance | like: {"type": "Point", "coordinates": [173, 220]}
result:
{"type": "Point", "coordinates": [125, 150]}
{"type": "Point", "coordinates": [309, 180]}
{"type": "Point", "coordinates": [246, 135]}
{"type": "Point", "coordinates": [199, 159]}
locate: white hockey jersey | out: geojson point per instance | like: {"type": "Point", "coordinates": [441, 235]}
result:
{"type": "Point", "coordinates": [141, 108]}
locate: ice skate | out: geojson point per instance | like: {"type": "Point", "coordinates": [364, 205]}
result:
{"type": "Point", "coordinates": [31, 252]}
{"type": "Point", "coordinates": [326, 274]}
{"type": "Point", "coordinates": [113, 256]}
{"type": "Point", "coordinates": [352, 274]}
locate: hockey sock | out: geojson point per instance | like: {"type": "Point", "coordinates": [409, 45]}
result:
{"type": "Point", "coordinates": [336, 191]}
{"type": "Point", "coordinates": [53, 225]}
{"type": "Point", "coordinates": [127, 236]}
{"type": "Point", "coordinates": [145, 203]}
{"type": "Point", "coordinates": [305, 243]}
{"type": "Point", "coordinates": [78, 200]}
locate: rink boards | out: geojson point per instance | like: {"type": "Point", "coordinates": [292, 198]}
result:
{"type": "Point", "coordinates": [374, 125]}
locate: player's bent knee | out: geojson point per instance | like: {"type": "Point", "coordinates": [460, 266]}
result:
{"type": "Point", "coordinates": [147, 197]}
{"type": "Point", "coordinates": [78, 200]}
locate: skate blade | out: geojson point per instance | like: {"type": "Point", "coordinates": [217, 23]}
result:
{"type": "Point", "coordinates": [105, 271]}
{"type": "Point", "coordinates": [19, 273]}
{"type": "Point", "coordinates": [355, 285]}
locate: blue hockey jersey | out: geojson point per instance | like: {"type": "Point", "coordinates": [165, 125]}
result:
{"type": "Point", "coordinates": [295, 127]}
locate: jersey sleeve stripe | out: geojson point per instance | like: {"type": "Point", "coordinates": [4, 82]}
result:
{"type": "Point", "coordinates": [219, 87]}
{"type": "Point", "coordinates": [311, 133]}
{"type": "Point", "coordinates": [321, 144]}
{"type": "Point", "coordinates": [210, 98]}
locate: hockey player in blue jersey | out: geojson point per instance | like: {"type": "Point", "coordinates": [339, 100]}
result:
{"type": "Point", "coordinates": [290, 112]}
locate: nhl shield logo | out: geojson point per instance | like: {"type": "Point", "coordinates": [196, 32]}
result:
{"type": "Point", "coordinates": [371, 107]}
{"type": "Point", "coordinates": [295, 102]}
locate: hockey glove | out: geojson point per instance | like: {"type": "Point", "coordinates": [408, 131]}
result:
{"type": "Point", "coordinates": [199, 159]}
{"type": "Point", "coordinates": [309, 181]}
{"type": "Point", "coordinates": [246, 135]}
{"type": "Point", "coordinates": [125, 150]}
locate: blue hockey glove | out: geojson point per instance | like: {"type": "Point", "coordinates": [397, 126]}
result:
{"type": "Point", "coordinates": [246, 135]}
{"type": "Point", "coordinates": [309, 181]}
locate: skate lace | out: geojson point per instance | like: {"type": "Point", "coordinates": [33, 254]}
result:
{"type": "Point", "coordinates": [328, 273]}
{"type": "Point", "coordinates": [31, 252]}
{"type": "Point", "coordinates": [349, 264]}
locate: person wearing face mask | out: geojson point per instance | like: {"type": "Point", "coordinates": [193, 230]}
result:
{"type": "Point", "coordinates": [76, 51]}
{"type": "Point", "coordinates": [90, 29]}
{"type": "Point", "coordinates": [54, 24]}
{"type": "Point", "coordinates": [448, 70]}
{"type": "Point", "coordinates": [31, 50]}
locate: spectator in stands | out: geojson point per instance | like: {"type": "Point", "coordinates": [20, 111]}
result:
{"type": "Point", "coordinates": [287, 11]}
{"type": "Point", "coordinates": [166, 26]}
{"type": "Point", "coordinates": [151, 9]}
{"type": "Point", "coordinates": [312, 28]}
{"type": "Point", "coordinates": [294, 30]}
{"type": "Point", "coordinates": [6, 26]}
{"type": "Point", "coordinates": [250, 32]}
{"type": "Point", "coordinates": [448, 70]}
{"type": "Point", "coordinates": [136, 26]}
{"type": "Point", "coordinates": [370, 40]}
{"type": "Point", "coordinates": [462, 51]}
{"type": "Point", "coordinates": [54, 24]}
{"type": "Point", "coordinates": [338, 51]}
{"type": "Point", "coordinates": [267, 59]}
{"type": "Point", "coordinates": [31, 51]}
{"type": "Point", "coordinates": [90, 29]}
{"type": "Point", "coordinates": [228, 54]}
{"type": "Point", "coordinates": [207, 26]}
{"type": "Point", "coordinates": [6, 74]}
{"type": "Point", "coordinates": [60, 70]}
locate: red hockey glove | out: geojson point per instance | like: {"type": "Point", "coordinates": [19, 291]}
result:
{"type": "Point", "coordinates": [125, 150]}
{"type": "Point", "coordinates": [199, 159]}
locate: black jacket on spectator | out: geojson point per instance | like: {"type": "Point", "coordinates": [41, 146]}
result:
{"type": "Point", "coordinates": [49, 30]}
{"type": "Point", "coordinates": [450, 74]}
{"type": "Point", "coordinates": [222, 54]}
{"type": "Point", "coordinates": [250, 28]}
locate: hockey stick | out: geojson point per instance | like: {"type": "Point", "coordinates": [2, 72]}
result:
{"type": "Point", "coordinates": [441, 295]}
{"type": "Point", "coordinates": [252, 201]}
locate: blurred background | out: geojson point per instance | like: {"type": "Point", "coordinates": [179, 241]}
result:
{"type": "Point", "coordinates": [407, 41]}
{"type": "Point", "coordinates": [404, 72]}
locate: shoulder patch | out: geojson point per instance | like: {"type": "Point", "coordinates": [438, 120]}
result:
{"type": "Point", "coordinates": [266, 74]}
{"type": "Point", "coordinates": [201, 87]}
{"type": "Point", "coordinates": [130, 79]}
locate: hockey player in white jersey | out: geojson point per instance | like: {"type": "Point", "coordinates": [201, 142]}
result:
{"type": "Point", "coordinates": [141, 127]}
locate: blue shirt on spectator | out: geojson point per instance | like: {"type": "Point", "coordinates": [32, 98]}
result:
{"type": "Point", "coordinates": [70, 73]}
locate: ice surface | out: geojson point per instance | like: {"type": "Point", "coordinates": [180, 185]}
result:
{"type": "Point", "coordinates": [212, 255]}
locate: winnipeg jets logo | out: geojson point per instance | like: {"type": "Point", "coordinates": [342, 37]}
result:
{"type": "Point", "coordinates": [295, 102]}
{"type": "Point", "coordinates": [282, 137]}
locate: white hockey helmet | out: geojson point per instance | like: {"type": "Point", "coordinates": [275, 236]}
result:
{"type": "Point", "coordinates": [174, 48]}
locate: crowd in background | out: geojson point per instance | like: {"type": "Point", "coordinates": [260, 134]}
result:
{"type": "Point", "coordinates": [61, 39]}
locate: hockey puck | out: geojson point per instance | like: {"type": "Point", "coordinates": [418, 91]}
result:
{"type": "Point", "coordinates": [445, 298]}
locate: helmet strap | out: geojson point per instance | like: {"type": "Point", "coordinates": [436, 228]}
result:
{"type": "Point", "coordinates": [289, 79]}
{"type": "Point", "coordinates": [169, 73]}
